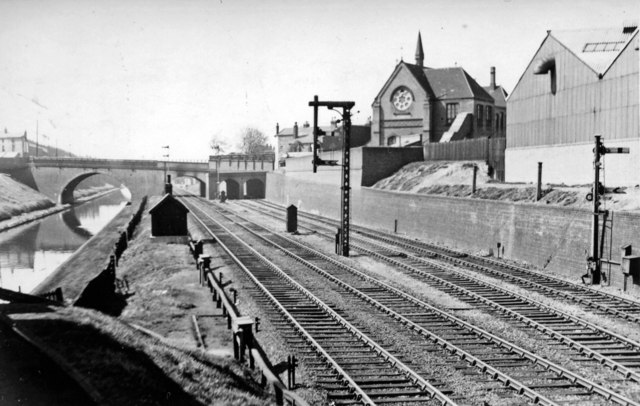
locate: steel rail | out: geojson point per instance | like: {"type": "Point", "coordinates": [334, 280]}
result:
{"type": "Point", "coordinates": [520, 280]}
{"type": "Point", "coordinates": [614, 365]}
{"type": "Point", "coordinates": [412, 375]}
{"type": "Point", "coordinates": [549, 331]}
{"type": "Point", "coordinates": [394, 239]}
{"type": "Point", "coordinates": [518, 386]}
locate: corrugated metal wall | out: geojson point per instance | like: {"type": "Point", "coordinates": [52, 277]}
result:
{"type": "Point", "coordinates": [583, 104]}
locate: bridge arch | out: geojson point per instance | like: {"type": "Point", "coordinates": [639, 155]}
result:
{"type": "Point", "coordinates": [202, 185]}
{"type": "Point", "coordinates": [66, 194]}
{"type": "Point", "coordinates": [254, 189]}
{"type": "Point", "coordinates": [233, 189]}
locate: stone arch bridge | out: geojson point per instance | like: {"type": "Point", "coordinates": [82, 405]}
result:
{"type": "Point", "coordinates": [57, 178]}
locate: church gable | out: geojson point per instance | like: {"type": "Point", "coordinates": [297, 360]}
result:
{"type": "Point", "coordinates": [403, 76]}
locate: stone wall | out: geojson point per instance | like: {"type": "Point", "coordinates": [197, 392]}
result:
{"type": "Point", "coordinates": [555, 239]}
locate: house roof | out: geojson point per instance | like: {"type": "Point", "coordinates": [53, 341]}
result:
{"type": "Point", "coordinates": [9, 134]}
{"type": "Point", "coordinates": [305, 134]}
{"type": "Point", "coordinates": [499, 95]}
{"type": "Point", "coordinates": [168, 199]}
{"type": "Point", "coordinates": [598, 48]}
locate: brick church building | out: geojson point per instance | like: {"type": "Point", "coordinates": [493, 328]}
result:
{"type": "Point", "coordinates": [419, 105]}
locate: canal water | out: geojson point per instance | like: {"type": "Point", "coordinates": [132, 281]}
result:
{"type": "Point", "coordinates": [28, 254]}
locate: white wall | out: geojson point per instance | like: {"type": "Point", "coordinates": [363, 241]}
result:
{"type": "Point", "coordinates": [573, 164]}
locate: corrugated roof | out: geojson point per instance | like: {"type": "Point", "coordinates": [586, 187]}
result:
{"type": "Point", "coordinates": [596, 47]}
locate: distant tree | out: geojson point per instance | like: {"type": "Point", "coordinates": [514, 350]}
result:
{"type": "Point", "coordinates": [253, 141]}
{"type": "Point", "coordinates": [217, 144]}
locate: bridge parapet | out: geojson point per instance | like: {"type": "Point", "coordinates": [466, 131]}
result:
{"type": "Point", "coordinates": [133, 164]}
{"type": "Point", "coordinates": [241, 163]}
{"type": "Point", "coordinates": [13, 163]}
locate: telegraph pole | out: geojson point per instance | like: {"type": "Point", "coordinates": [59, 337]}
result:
{"type": "Point", "coordinates": [342, 244]}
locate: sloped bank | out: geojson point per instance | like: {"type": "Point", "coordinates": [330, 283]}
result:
{"type": "Point", "coordinates": [554, 239]}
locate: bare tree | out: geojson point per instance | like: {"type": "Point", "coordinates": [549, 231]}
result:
{"type": "Point", "coordinates": [254, 141]}
{"type": "Point", "coordinates": [217, 144]}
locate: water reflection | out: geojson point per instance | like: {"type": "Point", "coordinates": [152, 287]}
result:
{"type": "Point", "coordinates": [30, 253]}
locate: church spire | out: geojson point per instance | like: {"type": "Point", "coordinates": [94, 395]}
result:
{"type": "Point", "coordinates": [419, 52]}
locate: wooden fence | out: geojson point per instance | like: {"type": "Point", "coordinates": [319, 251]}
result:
{"type": "Point", "coordinates": [490, 150]}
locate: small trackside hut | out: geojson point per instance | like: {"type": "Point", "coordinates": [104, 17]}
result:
{"type": "Point", "coordinates": [169, 217]}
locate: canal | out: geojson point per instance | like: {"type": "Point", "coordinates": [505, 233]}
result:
{"type": "Point", "coordinates": [29, 253]}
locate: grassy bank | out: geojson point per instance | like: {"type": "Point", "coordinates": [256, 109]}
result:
{"type": "Point", "coordinates": [16, 198]}
{"type": "Point", "coordinates": [127, 367]}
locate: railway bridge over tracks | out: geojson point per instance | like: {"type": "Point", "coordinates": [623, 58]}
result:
{"type": "Point", "coordinates": [57, 178]}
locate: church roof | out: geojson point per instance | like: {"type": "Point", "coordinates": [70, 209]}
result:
{"type": "Point", "coordinates": [418, 72]}
{"type": "Point", "coordinates": [455, 83]}
{"type": "Point", "coordinates": [499, 95]}
{"type": "Point", "coordinates": [448, 83]}
{"type": "Point", "coordinates": [598, 48]}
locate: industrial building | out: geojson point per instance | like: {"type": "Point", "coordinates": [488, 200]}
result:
{"type": "Point", "coordinates": [578, 84]}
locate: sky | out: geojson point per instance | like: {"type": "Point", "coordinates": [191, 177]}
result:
{"type": "Point", "coordinates": [122, 78]}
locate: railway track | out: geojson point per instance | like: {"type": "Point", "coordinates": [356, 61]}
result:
{"type": "Point", "coordinates": [354, 368]}
{"type": "Point", "coordinates": [606, 347]}
{"type": "Point", "coordinates": [606, 303]}
{"type": "Point", "coordinates": [481, 352]}
{"type": "Point", "coordinates": [547, 285]}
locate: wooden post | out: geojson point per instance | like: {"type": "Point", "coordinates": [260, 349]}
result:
{"type": "Point", "coordinates": [475, 175]}
{"type": "Point", "coordinates": [539, 189]}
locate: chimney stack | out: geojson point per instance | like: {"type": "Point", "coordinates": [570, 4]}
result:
{"type": "Point", "coordinates": [168, 188]}
{"type": "Point", "coordinates": [277, 128]}
{"type": "Point", "coordinates": [493, 78]}
{"type": "Point", "coordinates": [295, 130]}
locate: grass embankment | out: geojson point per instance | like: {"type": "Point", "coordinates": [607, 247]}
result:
{"type": "Point", "coordinates": [16, 198]}
{"type": "Point", "coordinates": [166, 294]}
{"type": "Point", "coordinates": [454, 179]}
{"type": "Point", "coordinates": [127, 367]}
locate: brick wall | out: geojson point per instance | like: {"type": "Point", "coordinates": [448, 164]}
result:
{"type": "Point", "coordinates": [552, 238]}
{"type": "Point", "coordinates": [381, 162]}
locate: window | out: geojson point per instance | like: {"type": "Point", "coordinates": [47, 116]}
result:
{"type": "Point", "coordinates": [489, 117]}
{"type": "Point", "coordinates": [391, 140]}
{"type": "Point", "coordinates": [452, 112]}
{"type": "Point", "coordinates": [603, 46]}
{"type": "Point", "coordinates": [13, 145]}
{"type": "Point", "coordinates": [480, 115]}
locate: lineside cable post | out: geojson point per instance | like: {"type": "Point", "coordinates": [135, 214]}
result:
{"type": "Point", "coordinates": [342, 248]}
{"type": "Point", "coordinates": [594, 261]}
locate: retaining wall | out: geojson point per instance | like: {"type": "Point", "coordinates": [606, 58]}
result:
{"type": "Point", "coordinates": [552, 238]}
